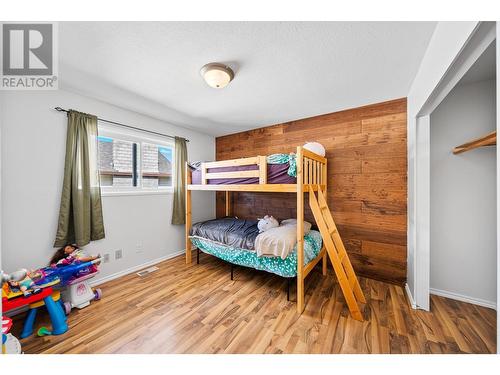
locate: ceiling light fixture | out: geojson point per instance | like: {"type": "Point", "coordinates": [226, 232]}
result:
{"type": "Point", "coordinates": [217, 75]}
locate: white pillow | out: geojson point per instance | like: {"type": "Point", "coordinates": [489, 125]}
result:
{"type": "Point", "coordinates": [315, 147]}
{"type": "Point", "coordinates": [307, 225]}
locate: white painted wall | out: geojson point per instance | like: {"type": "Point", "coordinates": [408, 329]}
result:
{"type": "Point", "coordinates": [498, 186]}
{"type": "Point", "coordinates": [32, 156]}
{"type": "Point", "coordinates": [463, 196]}
{"type": "Point", "coordinates": [446, 43]}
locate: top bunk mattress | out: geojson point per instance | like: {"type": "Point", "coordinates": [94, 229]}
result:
{"type": "Point", "coordinates": [281, 169]}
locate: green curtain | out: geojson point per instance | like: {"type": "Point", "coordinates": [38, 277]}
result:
{"type": "Point", "coordinates": [80, 213]}
{"type": "Point", "coordinates": [179, 210]}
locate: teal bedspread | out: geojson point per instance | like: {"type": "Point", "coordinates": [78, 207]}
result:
{"type": "Point", "coordinates": [283, 267]}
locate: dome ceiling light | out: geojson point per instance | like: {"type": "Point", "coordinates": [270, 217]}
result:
{"type": "Point", "coordinates": [217, 75]}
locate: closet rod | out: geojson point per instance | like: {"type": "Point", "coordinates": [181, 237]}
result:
{"type": "Point", "coordinates": [59, 109]}
{"type": "Point", "coordinates": [489, 139]}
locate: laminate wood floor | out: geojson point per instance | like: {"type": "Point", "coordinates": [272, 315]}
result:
{"type": "Point", "coordinates": [198, 309]}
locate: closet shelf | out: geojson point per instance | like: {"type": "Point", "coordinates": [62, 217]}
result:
{"type": "Point", "coordinates": [488, 140]}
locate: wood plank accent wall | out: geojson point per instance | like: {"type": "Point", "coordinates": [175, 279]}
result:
{"type": "Point", "coordinates": [367, 180]}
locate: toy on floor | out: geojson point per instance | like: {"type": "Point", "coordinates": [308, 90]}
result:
{"type": "Point", "coordinates": [29, 284]}
{"type": "Point", "coordinates": [38, 292]}
{"type": "Point", "coordinates": [57, 315]}
{"type": "Point", "coordinates": [12, 299]}
{"type": "Point", "coordinates": [10, 344]}
{"type": "Point", "coordinates": [74, 268]}
{"type": "Point", "coordinates": [15, 276]}
{"type": "Point", "coordinates": [32, 283]}
{"type": "Point", "coordinates": [71, 254]}
{"type": "Point", "coordinates": [43, 331]}
{"type": "Point", "coordinates": [76, 291]}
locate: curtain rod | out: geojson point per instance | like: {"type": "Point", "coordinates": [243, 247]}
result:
{"type": "Point", "coordinates": [59, 109]}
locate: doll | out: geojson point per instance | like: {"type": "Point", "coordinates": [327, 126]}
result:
{"type": "Point", "coordinates": [70, 254]}
{"type": "Point", "coordinates": [28, 285]}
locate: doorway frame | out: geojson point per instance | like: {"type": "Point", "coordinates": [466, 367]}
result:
{"type": "Point", "coordinates": [419, 162]}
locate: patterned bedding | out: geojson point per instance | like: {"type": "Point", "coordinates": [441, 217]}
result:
{"type": "Point", "coordinates": [283, 267]}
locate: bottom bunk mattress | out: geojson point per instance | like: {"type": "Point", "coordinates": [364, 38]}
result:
{"type": "Point", "coordinates": [243, 257]}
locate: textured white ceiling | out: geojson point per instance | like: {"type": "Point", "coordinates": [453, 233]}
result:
{"type": "Point", "coordinates": [284, 70]}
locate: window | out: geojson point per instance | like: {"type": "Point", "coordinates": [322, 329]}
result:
{"type": "Point", "coordinates": [131, 162]}
{"type": "Point", "coordinates": [156, 165]}
{"type": "Point", "coordinates": [117, 161]}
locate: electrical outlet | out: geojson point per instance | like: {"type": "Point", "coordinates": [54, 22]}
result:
{"type": "Point", "coordinates": [118, 254]}
{"type": "Point", "coordinates": [138, 247]}
{"type": "Point", "coordinates": [105, 258]}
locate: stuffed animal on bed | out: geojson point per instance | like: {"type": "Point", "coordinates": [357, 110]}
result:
{"type": "Point", "coordinates": [266, 223]}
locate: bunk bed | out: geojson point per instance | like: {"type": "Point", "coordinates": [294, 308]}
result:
{"type": "Point", "coordinates": [259, 174]}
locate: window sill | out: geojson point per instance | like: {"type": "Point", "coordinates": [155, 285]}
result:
{"type": "Point", "coordinates": [138, 192]}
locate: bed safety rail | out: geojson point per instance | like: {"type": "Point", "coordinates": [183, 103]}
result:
{"type": "Point", "coordinates": [260, 172]}
{"type": "Point", "coordinates": [313, 168]}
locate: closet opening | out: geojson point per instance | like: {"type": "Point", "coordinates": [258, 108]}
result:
{"type": "Point", "coordinates": [463, 193]}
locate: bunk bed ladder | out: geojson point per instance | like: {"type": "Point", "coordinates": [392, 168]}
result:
{"type": "Point", "coordinates": [338, 255]}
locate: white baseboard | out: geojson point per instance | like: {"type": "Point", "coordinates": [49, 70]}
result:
{"type": "Point", "coordinates": [102, 280]}
{"type": "Point", "coordinates": [461, 297]}
{"type": "Point", "coordinates": [410, 297]}
{"type": "Point", "coordinates": [114, 276]}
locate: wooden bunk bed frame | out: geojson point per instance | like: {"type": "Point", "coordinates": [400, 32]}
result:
{"type": "Point", "coordinates": [311, 178]}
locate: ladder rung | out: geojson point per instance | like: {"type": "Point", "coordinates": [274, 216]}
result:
{"type": "Point", "coordinates": [339, 258]}
{"type": "Point", "coordinates": [333, 231]}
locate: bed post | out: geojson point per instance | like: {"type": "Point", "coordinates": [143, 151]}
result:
{"type": "Point", "coordinates": [188, 214]}
{"type": "Point", "coordinates": [262, 169]}
{"type": "Point", "coordinates": [324, 182]}
{"type": "Point", "coordinates": [228, 203]}
{"type": "Point", "coordinates": [300, 231]}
